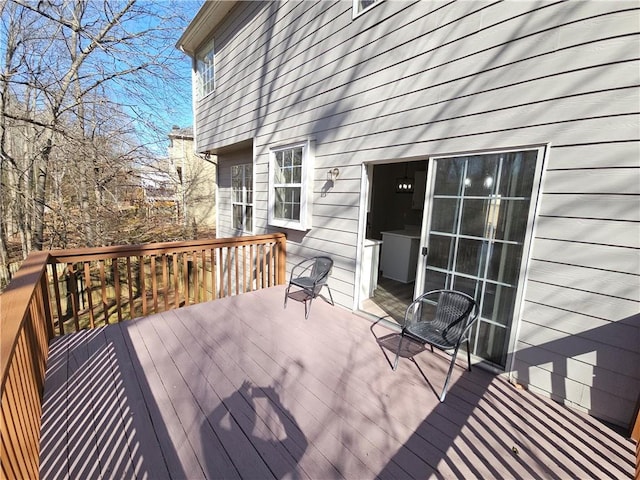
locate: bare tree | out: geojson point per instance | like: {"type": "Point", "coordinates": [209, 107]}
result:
{"type": "Point", "coordinates": [79, 79]}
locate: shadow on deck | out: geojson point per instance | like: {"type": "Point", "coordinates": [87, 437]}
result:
{"type": "Point", "coordinates": [241, 388]}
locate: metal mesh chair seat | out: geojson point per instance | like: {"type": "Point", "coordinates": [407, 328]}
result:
{"type": "Point", "coordinates": [429, 334]}
{"type": "Point", "coordinates": [303, 282]}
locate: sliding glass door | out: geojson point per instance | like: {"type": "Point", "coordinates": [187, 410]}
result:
{"type": "Point", "coordinates": [480, 212]}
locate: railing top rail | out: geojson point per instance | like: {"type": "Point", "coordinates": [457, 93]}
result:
{"type": "Point", "coordinates": [84, 254]}
{"type": "Point", "coordinates": [15, 302]}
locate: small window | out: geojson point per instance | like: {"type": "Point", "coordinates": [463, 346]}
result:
{"type": "Point", "coordinates": [242, 197]}
{"type": "Point", "coordinates": [205, 70]}
{"type": "Point", "coordinates": [360, 6]}
{"type": "Point", "coordinates": [289, 187]}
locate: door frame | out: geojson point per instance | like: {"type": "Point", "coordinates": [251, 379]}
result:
{"type": "Point", "coordinates": [541, 161]}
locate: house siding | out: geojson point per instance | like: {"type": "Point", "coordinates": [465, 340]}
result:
{"type": "Point", "coordinates": [410, 80]}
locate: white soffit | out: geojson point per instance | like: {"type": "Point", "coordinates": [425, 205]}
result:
{"type": "Point", "coordinates": [203, 24]}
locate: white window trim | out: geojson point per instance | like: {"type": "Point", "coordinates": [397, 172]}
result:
{"type": "Point", "coordinates": [244, 202]}
{"type": "Point", "coordinates": [355, 12]}
{"type": "Point", "coordinates": [306, 191]}
{"type": "Point", "coordinates": [203, 52]}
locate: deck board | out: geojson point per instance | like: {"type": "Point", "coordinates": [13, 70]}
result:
{"type": "Point", "coordinates": [242, 388]}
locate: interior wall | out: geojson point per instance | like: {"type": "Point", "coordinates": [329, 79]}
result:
{"type": "Point", "coordinates": [390, 210]}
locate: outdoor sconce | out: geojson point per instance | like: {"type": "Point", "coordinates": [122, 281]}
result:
{"type": "Point", "coordinates": [332, 174]}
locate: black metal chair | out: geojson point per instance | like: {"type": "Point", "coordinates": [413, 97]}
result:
{"type": "Point", "coordinates": [310, 275]}
{"type": "Point", "coordinates": [441, 319]}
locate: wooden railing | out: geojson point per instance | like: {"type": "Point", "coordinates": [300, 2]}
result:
{"type": "Point", "coordinates": [57, 292]}
{"type": "Point", "coordinates": [26, 329]}
{"type": "Point", "coordinates": [104, 285]}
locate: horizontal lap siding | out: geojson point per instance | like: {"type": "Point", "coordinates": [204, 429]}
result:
{"type": "Point", "coordinates": [413, 79]}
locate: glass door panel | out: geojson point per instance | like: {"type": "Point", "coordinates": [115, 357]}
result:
{"type": "Point", "coordinates": [479, 209]}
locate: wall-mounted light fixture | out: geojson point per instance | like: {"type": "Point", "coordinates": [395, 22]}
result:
{"type": "Point", "coordinates": [404, 184]}
{"type": "Point", "coordinates": [332, 174]}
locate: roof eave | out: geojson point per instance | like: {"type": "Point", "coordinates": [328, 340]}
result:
{"type": "Point", "coordinates": [203, 24]}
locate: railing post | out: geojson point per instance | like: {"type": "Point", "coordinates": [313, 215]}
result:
{"type": "Point", "coordinates": [282, 259]}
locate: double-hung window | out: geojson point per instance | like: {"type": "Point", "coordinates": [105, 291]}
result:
{"type": "Point", "coordinates": [242, 197]}
{"type": "Point", "coordinates": [205, 69]}
{"type": "Point", "coordinates": [289, 187]}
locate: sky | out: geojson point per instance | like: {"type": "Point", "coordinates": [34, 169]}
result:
{"type": "Point", "coordinates": [184, 117]}
{"type": "Point", "coordinates": [175, 103]}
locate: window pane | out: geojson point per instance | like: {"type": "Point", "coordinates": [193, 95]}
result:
{"type": "Point", "coordinates": [296, 175]}
{"type": "Point", "coordinates": [287, 203]}
{"type": "Point", "coordinates": [434, 280]}
{"type": "Point", "coordinates": [491, 340]}
{"type": "Point", "coordinates": [440, 252]}
{"type": "Point", "coordinates": [470, 254]}
{"type": "Point", "coordinates": [504, 264]}
{"type": "Point", "coordinates": [445, 214]}
{"type": "Point", "coordinates": [466, 285]}
{"type": "Point", "coordinates": [512, 217]}
{"type": "Point", "coordinates": [249, 219]}
{"type": "Point", "coordinates": [481, 175]}
{"type": "Point", "coordinates": [237, 217]}
{"type": "Point", "coordinates": [517, 175]}
{"type": "Point", "coordinates": [498, 303]}
{"type": "Point", "coordinates": [449, 176]}
{"type": "Point", "coordinates": [297, 157]}
{"type": "Point", "coordinates": [474, 215]}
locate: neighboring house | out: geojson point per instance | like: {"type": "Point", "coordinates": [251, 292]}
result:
{"type": "Point", "coordinates": [196, 176]}
{"type": "Point", "coordinates": [158, 185]}
{"type": "Point", "coordinates": [501, 139]}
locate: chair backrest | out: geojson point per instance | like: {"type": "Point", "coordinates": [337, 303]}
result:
{"type": "Point", "coordinates": [321, 269]}
{"type": "Point", "coordinates": [449, 311]}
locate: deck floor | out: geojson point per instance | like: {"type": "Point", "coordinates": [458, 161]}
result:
{"type": "Point", "coordinates": [241, 388]}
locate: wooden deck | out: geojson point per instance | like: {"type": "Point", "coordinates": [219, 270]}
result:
{"type": "Point", "coordinates": [240, 388]}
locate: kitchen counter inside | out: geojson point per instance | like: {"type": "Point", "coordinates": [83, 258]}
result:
{"type": "Point", "coordinates": [399, 259]}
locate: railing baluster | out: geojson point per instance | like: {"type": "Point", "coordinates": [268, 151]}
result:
{"type": "Point", "coordinates": [103, 289]}
{"type": "Point", "coordinates": [229, 283]}
{"type": "Point", "coordinates": [185, 272]}
{"type": "Point", "coordinates": [72, 295]}
{"type": "Point", "coordinates": [244, 268]}
{"type": "Point", "coordinates": [264, 263]}
{"type": "Point", "coordinates": [143, 285]}
{"type": "Point", "coordinates": [132, 313]}
{"type": "Point", "coordinates": [154, 284]}
{"type": "Point", "coordinates": [89, 290]}
{"type": "Point", "coordinates": [165, 282]}
{"type": "Point", "coordinates": [116, 287]}
{"type": "Point", "coordinates": [221, 270]}
{"type": "Point", "coordinates": [176, 281]}
{"type": "Point", "coordinates": [235, 261]}
{"type": "Point", "coordinates": [56, 290]}
{"type": "Point", "coordinates": [214, 283]}
{"type": "Point", "coordinates": [252, 269]}
{"type": "Point", "coordinates": [195, 277]}
{"type": "Point", "coordinates": [204, 275]}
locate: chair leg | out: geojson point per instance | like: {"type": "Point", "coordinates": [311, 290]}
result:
{"type": "Point", "coordinates": [468, 355]}
{"type": "Point", "coordinates": [286, 295]}
{"type": "Point", "coordinates": [446, 382]}
{"type": "Point", "coordinates": [330, 296]}
{"type": "Point", "coordinates": [306, 311]}
{"type": "Point", "coordinates": [395, 362]}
